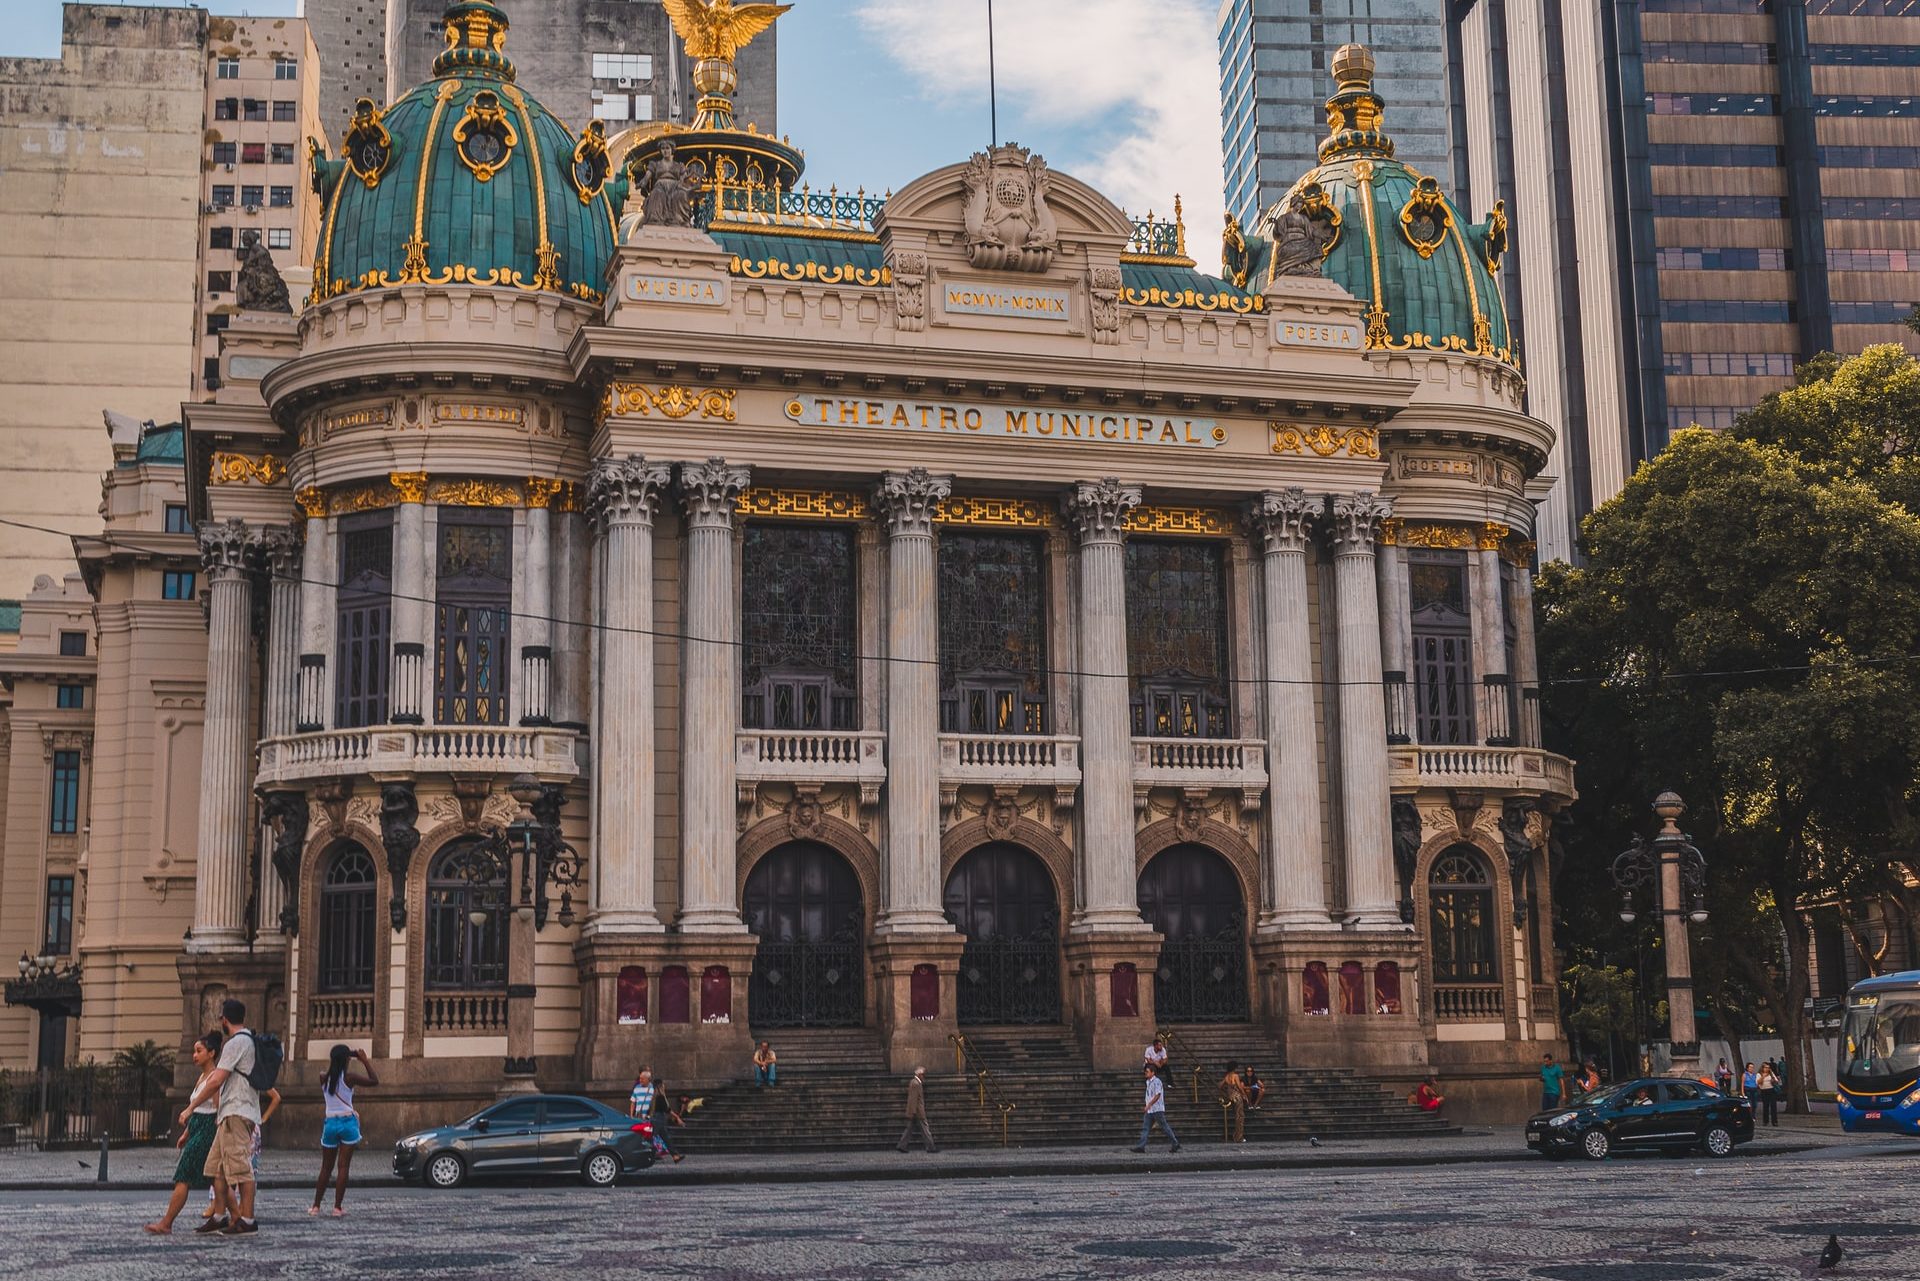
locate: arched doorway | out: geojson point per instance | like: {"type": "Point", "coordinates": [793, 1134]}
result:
{"type": "Point", "coordinates": [1001, 897]}
{"type": "Point", "coordinates": [803, 901]}
{"type": "Point", "coordinates": [1190, 895]}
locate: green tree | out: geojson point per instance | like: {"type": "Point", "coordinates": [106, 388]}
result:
{"type": "Point", "coordinates": [146, 1066]}
{"type": "Point", "coordinates": [1744, 631]}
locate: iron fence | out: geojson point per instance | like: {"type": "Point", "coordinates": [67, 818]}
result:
{"type": "Point", "coordinates": [75, 1106]}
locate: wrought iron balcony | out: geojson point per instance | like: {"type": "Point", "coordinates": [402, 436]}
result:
{"type": "Point", "coordinates": [54, 988]}
{"type": "Point", "coordinates": [1023, 760]}
{"type": "Point", "coordinates": [1234, 764]}
{"type": "Point", "coordinates": [1488, 769]}
{"type": "Point", "coordinates": [810, 758]}
{"type": "Point", "coordinates": [431, 749]}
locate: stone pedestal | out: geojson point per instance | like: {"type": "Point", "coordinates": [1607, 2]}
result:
{"type": "Point", "coordinates": [1110, 1041]}
{"type": "Point", "coordinates": [702, 1049]}
{"type": "Point", "coordinates": [915, 1042]}
{"type": "Point", "coordinates": [207, 979]}
{"type": "Point", "coordinates": [1392, 1044]}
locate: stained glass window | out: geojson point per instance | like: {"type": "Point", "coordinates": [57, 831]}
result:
{"type": "Point", "coordinates": [1461, 902]}
{"type": "Point", "coordinates": [800, 628]}
{"type": "Point", "coordinates": [471, 657]}
{"type": "Point", "coordinates": [466, 922]}
{"type": "Point", "coordinates": [347, 928]}
{"type": "Point", "coordinates": [993, 646]}
{"type": "Point", "coordinates": [1442, 646]}
{"type": "Point", "coordinates": [364, 620]}
{"type": "Point", "coordinates": [1177, 637]}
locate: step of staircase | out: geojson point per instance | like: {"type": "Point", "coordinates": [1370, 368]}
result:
{"type": "Point", "coordinates": [808, 1053]}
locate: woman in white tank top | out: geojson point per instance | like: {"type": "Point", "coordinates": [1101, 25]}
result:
{"type": "Point", "coordinates": [340, 1133]}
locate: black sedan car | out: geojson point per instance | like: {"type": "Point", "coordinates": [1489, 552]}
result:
{"type": "Point", "coordinates": [529, 1134]}
{"type": "Point", "coordinates": [1671, 1113]}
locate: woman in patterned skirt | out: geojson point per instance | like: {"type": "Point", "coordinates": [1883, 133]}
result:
{"type": "Point", "coordinates": [195, 1139]}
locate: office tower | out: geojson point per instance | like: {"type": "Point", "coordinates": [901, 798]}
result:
{"type": "Point", "coordinates": [351, 37]}
{"type": "Point", "coordinates": [1273, 78]}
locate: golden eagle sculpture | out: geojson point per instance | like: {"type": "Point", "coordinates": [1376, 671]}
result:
{"type": "Point", "coordinates": [719, 28]}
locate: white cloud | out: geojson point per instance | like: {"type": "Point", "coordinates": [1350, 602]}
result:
{"type": "Point", "coordinates": [1132, 86]}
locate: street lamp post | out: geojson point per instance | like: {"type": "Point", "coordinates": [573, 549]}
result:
{"type": "Point", "coordinates": [1680, 872]}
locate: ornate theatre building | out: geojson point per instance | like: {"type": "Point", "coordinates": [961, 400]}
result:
{"type": "Point", "coordinates": [689, 607]}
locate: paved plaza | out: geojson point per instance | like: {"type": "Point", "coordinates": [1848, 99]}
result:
{"type": "Point", "coordinates": [1635, 1219]}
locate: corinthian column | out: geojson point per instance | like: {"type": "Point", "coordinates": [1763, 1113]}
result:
{"type": "Point", "coordinates": [220, 875]}
{"type": "Point", "coordinates": [1109, 898]}
{"type": "Point", "coordinates": [710, 710]}
{"type": "Point", "coordinates": [622, 497]}
{"type": "Point", "coordinates": [414, 590]}
{"type": "Point", "coordinates": [1364, 793]}
{"type": "Point", "coordinates": [317, 621]}
{"type": "Point", "coordinates": [1282, 526]}
{"type": "Point", "coordinates": [282, 547]}
{"type": "Point", "coordinates": [907, 502]}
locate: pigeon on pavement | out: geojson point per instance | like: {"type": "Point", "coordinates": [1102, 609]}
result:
{"type": "Point", "coordinates": [1833, 1253]}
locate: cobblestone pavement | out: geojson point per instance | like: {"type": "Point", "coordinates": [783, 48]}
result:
{"type": "Point", "coordinates": [1655, 1218]}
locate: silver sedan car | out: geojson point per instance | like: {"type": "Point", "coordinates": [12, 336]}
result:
{"type": "Point", "coordinates": [529, 1134]}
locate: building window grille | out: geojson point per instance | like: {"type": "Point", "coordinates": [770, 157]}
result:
{"type": "Point", "coordinates": [472, 604]}
{"type": "Point", "coordinates": [466, 921]}
{"type": "Point", "coordinates": [365, 619]}
{"type": "Point", "coordinates": [1442, 646]}
{"type": "Point", "coordinates": [800, 628]}
{"type": "Point", "coordinates": [59, 934]}
{"type": "Point", "coordinates": [1177, 637]}
{"type": "Point", "coordinates": [993, 646]}
{"type": "Point", "coordinates": [1460, 902]}
{"type": "Point", "coordinates": [347, 925]}
{"type": "Point", "coordinates": [65, 817]}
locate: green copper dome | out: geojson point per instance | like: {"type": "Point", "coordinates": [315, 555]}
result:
{"type": "Point", "coordinates": [466, 180]}
{"type": "Point", "coordinates": [1398, 242]}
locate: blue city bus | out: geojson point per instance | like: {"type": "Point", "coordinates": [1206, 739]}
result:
{"type": "Point", "coordinates": [1879, 1055]}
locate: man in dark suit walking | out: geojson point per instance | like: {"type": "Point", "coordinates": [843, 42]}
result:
{"type": "Point", "coordinates": [917, 1111]}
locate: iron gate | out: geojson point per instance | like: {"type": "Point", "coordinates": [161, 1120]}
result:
{"type": "Point", "coordinates": [1010, 981]}
{"type": "Point", "coordinates": [1202, 980]}
{"type": "Point", "coordinates": [806, 984]}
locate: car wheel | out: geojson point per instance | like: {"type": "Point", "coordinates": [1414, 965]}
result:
{"type": "Point", "coordinates": [1596, 1144]}
{"type": "Point", "coordinates": [1718, 1141]}
{"type": "Point", "coordinates": [445, 1170]}
{"type": "Point", "coordinates": [600, 1169]}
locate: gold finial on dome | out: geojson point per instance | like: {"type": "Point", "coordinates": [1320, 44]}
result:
{"type": "Point", "coordinates": [1355, 113]}
{"type": "Point", "coordinates": [714, 32]}
{"type": "Point", "coordinates": [476, 32]}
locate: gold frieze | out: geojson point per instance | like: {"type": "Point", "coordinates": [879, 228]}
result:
{"type": "Point", "coordinates": [241, 469]}
{"type": "Point", "coordinates": [1325, 441]}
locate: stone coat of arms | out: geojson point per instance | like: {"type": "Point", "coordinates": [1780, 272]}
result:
{"type": "Point", "coordinates": [1009, 227]}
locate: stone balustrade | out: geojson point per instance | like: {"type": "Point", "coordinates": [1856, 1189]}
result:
{"type": "Point", "coordinates": [1469, 1002]}
{"type": "Point", "coordinates": [810, 758]}
{"type": "Point", "coordinates": [1236, 764]}
{"type": "Point", "coordinates": [1489, 769]}
{"type": "Point", "coordinates": [550, 754]}
{"type": "Point", "coordinates": [1003, 760]}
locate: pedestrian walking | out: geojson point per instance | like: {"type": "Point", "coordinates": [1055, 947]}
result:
{"type": "Point", "coordinates": [1552, 1081]}
{"type": "Point", "coordinates": [766, 1065]}
{"type": "Point", "coordinates": [1233, 1096]}
{"type": "Point", "coordinates": [1768, 1083]}
{"type": "Point", "coordinates": [1750, 1083]}
{"type": "Point", "coordinates": [196, 1137]}
{"type": "Point", "coordinates": [340, 1128]}
{"type": "Point", "coordinates": [1256, 1088]}
{"type": "Point", "coordinates": [1154, 1112]}
{"type": "Point", "coordinates": [1723, 1077]}
{"type": "Point", "coordinates": [917, 1112]}
{"type": "Point", "coordinates": [663, 1114]}
{"type": "Point", "coordinates": [640, 1102]}
{"type": "Point", "coordinates": [229, 1159]}
{"type": "Point", "coordinates": [269, 1104]}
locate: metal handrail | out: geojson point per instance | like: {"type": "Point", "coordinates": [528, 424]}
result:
{"type": "Point", "coordinates": [967, 1059]}
{"type": "Point", "coordinates": [1187, 1052]}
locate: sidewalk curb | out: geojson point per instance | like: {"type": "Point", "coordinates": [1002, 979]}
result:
{"type": "Point", "coordinates": [1039, 1166]}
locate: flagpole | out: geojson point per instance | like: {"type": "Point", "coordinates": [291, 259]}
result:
{"type": "Point", "coordinates": [993, 101]}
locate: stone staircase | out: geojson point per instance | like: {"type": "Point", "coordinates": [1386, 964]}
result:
{"type": "Point", "coordinates": [834, 1094]}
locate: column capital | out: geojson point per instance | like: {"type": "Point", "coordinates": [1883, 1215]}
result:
{"type": "Point", "coordinates": [227, 548]}
{"type": "Point", "coordinates": [909, 499]}
{"type": "Point", "coordinates": [1356, 519]}
{"type": "Point", "coordinates": [1281, 520]}
{"type": "Point", "coordinates": [708, 491]}
{"type": "Point", "coordinates": [625, 491]}
{"type": "Point", "coordinates": [1098, 509]}
{"type": "Point", "coordinates": [282, 547]}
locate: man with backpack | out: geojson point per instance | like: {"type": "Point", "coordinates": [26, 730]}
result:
{"type": "Point", "coordinates": [248, 1064]}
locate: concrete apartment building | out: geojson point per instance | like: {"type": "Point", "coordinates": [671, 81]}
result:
{"type": "Point", "coordinates": [615, 60]}
{"type": "Point", "coordinates": [131, 162]}
{"type": "Point", "coordinates": [262, 104]}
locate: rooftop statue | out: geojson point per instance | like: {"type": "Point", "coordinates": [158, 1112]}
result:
{"type": "Point", "coordinates": [666, 190]}
{"type": "Point", "coordinates": [719, 28]}
{"type": "Point", "coordinates": [1304, 228]}
{"type": "Point", "coordinates": [260, 285]}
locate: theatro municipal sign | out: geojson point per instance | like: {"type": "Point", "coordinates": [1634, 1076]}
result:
{"type": "Point", "coordinates": [950, 418]}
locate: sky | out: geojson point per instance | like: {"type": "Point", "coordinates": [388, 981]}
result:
{"type": "Point", "coordinates": [1122, 94]}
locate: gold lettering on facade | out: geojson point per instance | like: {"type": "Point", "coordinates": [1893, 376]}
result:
{"type": "Point", "coordinates": [801, 504]}
{"type": "Point", "coordinates": [1415, 465]}
{"type": "Point", "coordinates": [1325, 441]}
{"type": "Point", "coordinates": [348, 419]}
{"type": "Point", "coordinates": [1002, 421]}
{"type": "Point", "coordinates": [1200, 522]}
{"type": "Point", "coordinates": [240, 469]}
{"type": "Point", "coordinates": [672, 401]}
{"type": "Point", "coordinates": [453, 411]}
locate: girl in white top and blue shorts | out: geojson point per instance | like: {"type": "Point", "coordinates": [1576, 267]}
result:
{"type": "Point", "coordinates": [340, 1134]}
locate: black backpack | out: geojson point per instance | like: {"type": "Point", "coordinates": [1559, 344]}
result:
{"type": "Point", "coordinates": [267, 1058]}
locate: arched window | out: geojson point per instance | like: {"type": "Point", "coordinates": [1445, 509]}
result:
{"type": "Point", "coordinates": [348, 889]}
{"type": "Point", "coordinates": [466, 921]}
{"type": "Point", "coordinates": [1460, 901]}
